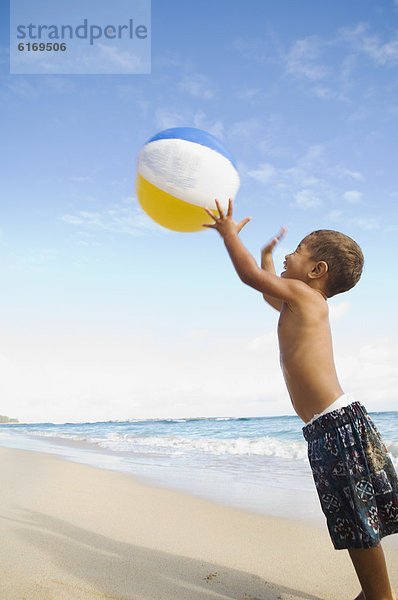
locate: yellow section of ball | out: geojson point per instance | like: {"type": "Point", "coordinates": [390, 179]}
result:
{"type": "Point", "coordinates": [168, 211]}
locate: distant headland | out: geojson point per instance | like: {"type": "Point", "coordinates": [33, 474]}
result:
{"type": "Point", "coordinates": [4, 419]}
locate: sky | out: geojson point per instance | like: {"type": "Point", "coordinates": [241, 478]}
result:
{"type": "Point", "coordinates": [104, 314]}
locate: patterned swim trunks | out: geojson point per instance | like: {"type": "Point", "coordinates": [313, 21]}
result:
{"type": "Point", "coordinates": [354, 477]}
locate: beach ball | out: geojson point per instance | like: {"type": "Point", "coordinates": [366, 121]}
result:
{"type": "Point", "coordinates": [180, 171]}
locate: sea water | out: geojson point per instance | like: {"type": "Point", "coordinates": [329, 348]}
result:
{"type": "Point", "coordinates": [253, 463]}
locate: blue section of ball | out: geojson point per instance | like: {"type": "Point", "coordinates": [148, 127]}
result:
{"type": "Point", "coordinates": [198, 136]}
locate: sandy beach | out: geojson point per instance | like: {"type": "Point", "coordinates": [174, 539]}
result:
{"type": "Point", "coordinates": [70, 531]}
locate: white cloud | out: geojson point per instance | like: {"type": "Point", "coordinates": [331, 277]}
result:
{"type": "Point", "coordinates": [303, 60]}
{"type": "Point", "coordinates": [254, 49]}
{"type": "Point", "coordinates": [166, 117]}
{"type": "Point", "coordinates": [363, 42]}
{"type": "Point", "coordinates": [313, 59]}
{"type": "Point", "coordinates": [312, 63]}
{"type": "Point", "coordinates": [306, 181]}
{"type": "Point", "coordinates": [378, 351]}
{"type": "Point", "coordinates": [302, 175]}
{"type": "Point", "coordinates": [344, 172]}
{"type": "Point", "coordinates": [324, 93]}
{"type": "Point", "coordinates": [335, 215]}
{"type": "Point", "coordinates": [80, 178]}
{"type": "Point", "coordinates": [307, 198]}
{"type": "Point", "coordinates": [263, 174]}
{"type": "Point", "coordinates": [352, 196]}
{"type": "Point", "coordinates": [198, 334]}
{"type": "Point", "coordinates": [322, 66]}
{"type": "Point", "coordinates": [369, 371]}
{"type": "Point", "coordinates": [250, 94]}
{"type": "Point", "coordinates": [360, 222]}
{"type": "Point", "coordinates": [139, 375]}
{"type": "Point", "coordinates": [94, 377]}
{"type": "Point", "coordinates": [245, 130]}
{"type": "Point", "coordinates": [365, 223]}
{"type": "Point", "coordinates": [338, 311]}
{"type": "Point", "coordinates": [124, 218]}
{"type": "Point", "coordinates": [72, 219]}
{"type": "Point", "coordinates": [26, 88]}
{"type": "Point", "coordinates": [202, 121]}
{"type": "Point", "coordinates": [311, 181]}
{"type": "Point", "coordinates": [168, 60]}
{"type": "Point", "coordinates": [21, 87]}
{"type": "Point", "coordinates": [169, 117]}
{"type": "Point", "coordinates": [264, 342]}
{"type": "Point", "coordinates": [198, 86]}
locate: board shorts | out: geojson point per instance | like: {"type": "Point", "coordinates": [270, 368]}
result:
{"type": "Point", "coordinates": [354, 476]}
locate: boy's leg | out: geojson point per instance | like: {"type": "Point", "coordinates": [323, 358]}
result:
{"type": "Point", "coordinates": [370, 566]}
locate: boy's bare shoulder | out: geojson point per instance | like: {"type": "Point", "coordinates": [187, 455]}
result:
{"type": "Point", "coordinates": [308, 301]}
{"type": "Point", "coordinates": [284, 288]}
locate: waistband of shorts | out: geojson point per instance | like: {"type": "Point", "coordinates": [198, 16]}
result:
{"type": "Point", "coordinates": [336, 418]}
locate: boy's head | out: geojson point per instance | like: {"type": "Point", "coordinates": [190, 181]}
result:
{"type": "Point", "coordinates": [343, 257]}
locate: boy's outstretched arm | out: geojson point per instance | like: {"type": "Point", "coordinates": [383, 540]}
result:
{"type": "Point", "coordinates": [245, 265]}
{"type": "Point", "coordinates": [267, 263]}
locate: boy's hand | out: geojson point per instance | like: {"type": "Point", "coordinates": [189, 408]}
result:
{"type": "Point", "coordinates": [224, 224]}
{"type": "Point", "coordinates": [268, 248]}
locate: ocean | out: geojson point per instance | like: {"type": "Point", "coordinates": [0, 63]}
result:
{"type": "Point", "coordinates": [258, 464]}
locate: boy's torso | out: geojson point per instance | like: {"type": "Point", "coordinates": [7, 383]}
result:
{"type": "Point", "coordinates": [306, 355]}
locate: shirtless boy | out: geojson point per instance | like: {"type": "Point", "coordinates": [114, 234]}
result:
{"type": "Point", "coordinates": [355, 479]}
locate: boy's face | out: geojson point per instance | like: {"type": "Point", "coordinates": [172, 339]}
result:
{"type": "Point", "coordinates": [299, 263]}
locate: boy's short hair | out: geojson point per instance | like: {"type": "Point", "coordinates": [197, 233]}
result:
{"type": "Point", "coordinates": [343, 256]}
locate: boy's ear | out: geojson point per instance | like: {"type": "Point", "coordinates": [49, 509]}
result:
{"type": "Point", "coordinates": [319, 270]}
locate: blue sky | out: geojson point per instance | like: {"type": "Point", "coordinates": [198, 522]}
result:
{"type": "Point", "coordinates": [105, 315]}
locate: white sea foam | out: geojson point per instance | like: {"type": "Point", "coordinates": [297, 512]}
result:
{"type": "Point", "coordinates": [179, 446]}
{"type": "Point", "coordinates": [197, 440]}
{"type": "Point", "coordinates": [266, 446]}
{"type": "Point", "coordinates": [234, 447]}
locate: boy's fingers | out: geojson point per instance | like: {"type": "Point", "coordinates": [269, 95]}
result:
{"type": "Point", "coordinates": [242, 223]}
{"type": "Point", "coordinates": [270, 245]}
{"type": "Point", "coordinates": [230, 208]}
{"type": "Point", "coordinates": [282, 233]}
{"type": "Point", "coordinates": [220, 210]}
{"type": "Point", "coordinates": [276, 239]}
{"type": "Point", "coordinates": [210, 213]}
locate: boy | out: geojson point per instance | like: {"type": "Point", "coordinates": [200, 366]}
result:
{"type": "Point", "coordinates": [355, 479]}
